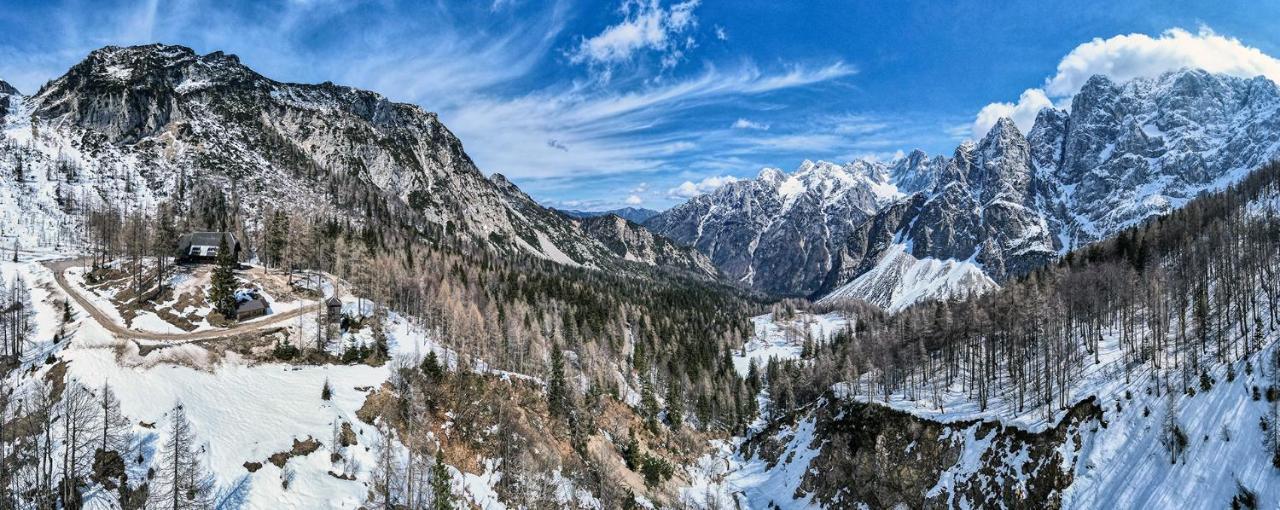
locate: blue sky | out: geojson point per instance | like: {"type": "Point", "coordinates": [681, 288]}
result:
{"type": "Point", "coordinates": [610, 103]}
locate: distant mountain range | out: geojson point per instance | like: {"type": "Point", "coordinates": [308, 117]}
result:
{"type": "Point", "coordinates": [632, 214]}
{"type": "Point", "coordinates": [921, 226]}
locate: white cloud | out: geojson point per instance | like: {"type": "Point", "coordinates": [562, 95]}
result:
{"type": "Point", "coordinates": [1023, 112]}
{"type": "Point", "coordinates": [750, 124]}
{"type": "Point", "coordinates": [646, 25]}
{"type": "Point", "coordinates": [721, 34]}
{"type": "Point", "coordinates": [634, 200]}
{"type": "Point", "coordinates": [690, 189]}
{"type": "Point", "coordinates": [1125, 57]}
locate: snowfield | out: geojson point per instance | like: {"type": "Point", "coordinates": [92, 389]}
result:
{"type": "Point", "coordinates": [900, 280]}
{"type": "Point", "coordinates": [784, 339]}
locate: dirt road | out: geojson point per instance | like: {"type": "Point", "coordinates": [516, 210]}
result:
{"type": "Point", "coordinates": [59, 268]}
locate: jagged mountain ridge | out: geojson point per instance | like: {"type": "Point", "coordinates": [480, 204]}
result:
{"type": "Point", "coordinates": [1011, 202]}
{"type": "Point", "coordinates": [779, 232]}
{"type": "Point", "coordinates": [171, 123]}
{"type": "Point", "coordinates": [1123, 153]}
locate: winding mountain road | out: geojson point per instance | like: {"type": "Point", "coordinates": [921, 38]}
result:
{"type": "Point", "coordinates": [59, 268]}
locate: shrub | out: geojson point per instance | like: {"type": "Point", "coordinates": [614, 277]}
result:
{"type": "Point", "coordinates": [326, 392]}
{"type": "Point", "coordinates": [655, 470]}
{"type": "Point", "coordinates": [1244, 498]}
{"type": "Point", "coordinates": [285, 351]}
{"type": "Point", "coordinates": [431, 367]}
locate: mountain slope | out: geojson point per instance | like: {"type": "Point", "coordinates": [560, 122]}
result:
{"type": "Point", "coordinates": [1075, 387]}
{"type": "Point", "coordinates": [160, 123]}
{"type": "Point", "coordinates": [1124, 152]}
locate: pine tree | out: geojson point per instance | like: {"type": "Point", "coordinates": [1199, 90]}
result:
{"type": "Point", "coordinates": [649, 405]}
{"type": "Point", "coordinates": [675, 406]}
{"type": "Point", "coordinates": [557, 392]}
{"type": "Point", "coordinates": [223, 281]}
{"type": "Point", "coordinates": [441, 485]}
{"type": "Point", "coordinates": [431, 367]}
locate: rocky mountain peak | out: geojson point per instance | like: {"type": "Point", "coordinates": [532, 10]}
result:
{"type": "Point", "coordinates": [186, 127]}
{"type": "Point", "coordinates": [771, 175]}
{"type": "Point", "coordinates": [7, 89]}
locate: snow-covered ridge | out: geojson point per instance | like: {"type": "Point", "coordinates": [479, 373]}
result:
{"type": "Point", "coordinates": [900, 279]}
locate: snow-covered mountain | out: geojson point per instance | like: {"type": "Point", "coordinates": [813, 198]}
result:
{"type": "Point", "coordinates": [1003, 205]}
{"type": "Point", "coordinates": [780, 232]}
{"type": "Point", "coordinates": [139, 125]}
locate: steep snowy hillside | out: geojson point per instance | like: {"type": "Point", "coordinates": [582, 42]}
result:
{"type": "Point", "coordinates": [138, 125]}
{"type": "Point", "coordinates": [899, 279]}
{"type": "Point", "coordinates": [780, 232]}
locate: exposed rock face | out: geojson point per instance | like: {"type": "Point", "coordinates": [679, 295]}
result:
{"type": "Point", "coordinates": [634, 243]}
{"type": "Point", "coordinates": [173, 121]}
{"type": "Point", "coordinates": [1008, 203]}
{"type": "Point", "coordinates": [7, 94]}
{"type": "Point", "coordinates": [853, 454]}
{"type": "Point", "coordinates": [779, 232]}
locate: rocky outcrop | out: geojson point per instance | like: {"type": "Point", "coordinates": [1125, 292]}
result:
{"type": "Point", "coordinates": [861, 455]}
{"type": "Point", "coordinates": [632, 214]}
{"type": "Point", "coordinates": [634, 243]}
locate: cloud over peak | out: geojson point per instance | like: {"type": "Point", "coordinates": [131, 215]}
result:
{"type": "Point", "coordinates": [1125, 57]}
{"type": "Point", "coordinates": [690, 189]}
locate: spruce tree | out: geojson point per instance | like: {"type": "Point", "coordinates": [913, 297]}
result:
{"type": "Point", "coordinates": [223, 281]}
{"type": "Point", "coordinates": [441, 485]}
{"type": "Point", "coordinates": [557, 392]}
{"type": "Point", "coordinates": [675, 406]}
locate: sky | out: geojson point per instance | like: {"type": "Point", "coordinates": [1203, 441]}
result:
{"type": "Point", "coordinates": [608, 103]}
